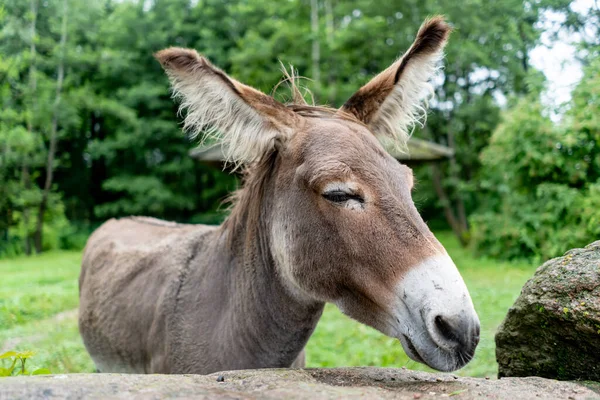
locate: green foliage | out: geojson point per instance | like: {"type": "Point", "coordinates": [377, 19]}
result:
{"type": "Point", "coordinates": [16, 361]}
{"type": "Point", "coordinates": [59, 232]}
{"type": "Point", "coordinates": [542, 179]}
{"type": "Point", "coordinates": [120, 149]}
{"type": "Point", "coordinates": [543, 224]}
{"type": "Point", "coordinates": [29, 49]}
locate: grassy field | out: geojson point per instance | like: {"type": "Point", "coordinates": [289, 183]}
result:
{"type": "Point", "coordinates": [38, 301]}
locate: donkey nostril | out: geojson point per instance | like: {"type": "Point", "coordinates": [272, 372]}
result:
{"type": "Point", "coordinates": [446, 330]}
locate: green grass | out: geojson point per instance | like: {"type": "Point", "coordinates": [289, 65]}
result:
{"type": "Point", "coordinates": [38, 301]}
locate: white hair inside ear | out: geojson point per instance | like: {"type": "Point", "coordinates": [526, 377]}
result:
{"type": "Point", "coordinates": [245, 121]}
{"type": "Point", "coordinates": [396, 100]}
{"type": "Point", "coordinates": [406, 107]}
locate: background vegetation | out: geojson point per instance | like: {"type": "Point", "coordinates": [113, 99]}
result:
{"type": "Point", "coordinates": [88, 132]}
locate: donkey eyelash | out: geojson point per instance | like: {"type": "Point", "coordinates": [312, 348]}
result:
{"type": "Point", "coordinates": [339, 196]}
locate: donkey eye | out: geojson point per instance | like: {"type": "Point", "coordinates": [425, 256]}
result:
{"type": "Point", "coordinates": [338, 196]}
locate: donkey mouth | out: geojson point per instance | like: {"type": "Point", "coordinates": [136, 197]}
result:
{"type": "Point", "coordinates": [440, 359]}
{"type": "Point", "coordinates": [412, 350]}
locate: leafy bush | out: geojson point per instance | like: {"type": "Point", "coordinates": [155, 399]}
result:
{"type": "Point", "coordinates": [74, 236]}
{"type": "Point", "coordinates": [59, 233]}
{"type": "Point", "coordinates": [543, 225]}
{"type": "Point", "coordinates": [16, 364]}
{"type": "Point", "coordinates": [542, 179]}
{"type": "Point", "coordinates": [57, 229]}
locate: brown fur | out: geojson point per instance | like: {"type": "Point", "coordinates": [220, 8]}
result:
{"type": "Point", "coordinates": [365, 103]}
{"type": "Point", "coordinates": [190, 62]}
{"type": "Point", "coordinates": [159, 297]}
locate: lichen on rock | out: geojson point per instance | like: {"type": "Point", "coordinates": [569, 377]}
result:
{"type": "Point", "coordinates": [553, 329]}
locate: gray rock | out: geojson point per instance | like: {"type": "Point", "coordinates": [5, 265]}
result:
{"type": "Point", "coordinates": [553, 329]}
{"type": "Point", "coordinates": [346, 383]}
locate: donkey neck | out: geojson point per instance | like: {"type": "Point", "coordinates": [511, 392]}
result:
{"type": "Point", "coordinates": [268, 323]}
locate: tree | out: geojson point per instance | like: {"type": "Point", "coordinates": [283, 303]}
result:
{"type": "Point", "coordinates": [18, 130]}
{"type": "Point", "coordinates": [543, 179]}
{"type": "Point", "coordinates": [60, 73]}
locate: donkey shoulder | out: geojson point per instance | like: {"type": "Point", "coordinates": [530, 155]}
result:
{"type": "Point", "coordinates": [130, 273]}
{"type": "Point", "coordinates": [126, 242]}
{"type": "Point", "coordinates": [140, 232]}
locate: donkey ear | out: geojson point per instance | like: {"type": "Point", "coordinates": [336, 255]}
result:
{"type": "Point", "coordinates": [390, 104]}
{"type": "Point", "coordinates": [247, 122]}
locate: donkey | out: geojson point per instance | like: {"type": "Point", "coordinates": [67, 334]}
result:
{"type": "Point", "coordinates": [324, 215]}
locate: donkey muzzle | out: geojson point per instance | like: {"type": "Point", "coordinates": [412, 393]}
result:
{"type": "Point", "coordinates": [440, 327]}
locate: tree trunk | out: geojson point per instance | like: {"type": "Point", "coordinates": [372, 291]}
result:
{"type": "Point", "coordinates": [5, 207]}
{"type": "Point", "coordinates": [453, 206]}
{"type": "Point", "coordinates": [316, 47]}
{"type": "Point", "coordinates": [331, 75]}
{"type": "Point", "coordinates": [39, 234]}
{"type": "Point", "coordinates": [26, 182]}
{"type": "Point", "coordinates": [452, 219]}
{"type": "Point", "coordinates": [460, 205]}
{"type": "Point", "coordinates": [25, 176]}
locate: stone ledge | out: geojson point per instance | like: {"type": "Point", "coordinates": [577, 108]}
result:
{"type": "Point", "coordinates": [347, 383]}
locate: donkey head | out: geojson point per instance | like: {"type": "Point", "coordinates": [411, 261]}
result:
{"type": "Point", "coordinates": [334, 209]}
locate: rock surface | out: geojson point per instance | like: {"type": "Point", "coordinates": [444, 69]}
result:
{"type": "Point", "coordinates": [553, 329]}
{"type": "Point", "coordinates": [346, 383]}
